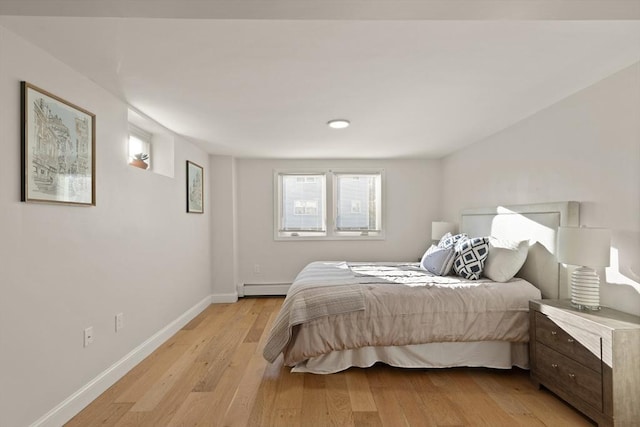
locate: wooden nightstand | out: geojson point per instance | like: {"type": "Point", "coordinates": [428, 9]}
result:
{"type": "Point", "coordinates": [591, 359]}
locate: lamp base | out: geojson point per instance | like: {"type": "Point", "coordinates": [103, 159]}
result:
{"type": "Point", "coordinates": [585, 289]}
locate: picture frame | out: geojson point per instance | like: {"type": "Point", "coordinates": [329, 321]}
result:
{"type": "Point", "coordinates": [57, 149]}
{"type": "Point", "coordinates": [195, 188]}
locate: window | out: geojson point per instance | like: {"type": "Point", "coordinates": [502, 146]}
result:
{"type": "Point", "coordinates": [358, 203]}
{"type": "Point", "coordinates": [150, 145]}
{"type": "Point", "coordinates": [301, 202]}
{"type": "Point", "coordinates": [139, 147]}
{"type": "Point", "coordinates": [303, 199]}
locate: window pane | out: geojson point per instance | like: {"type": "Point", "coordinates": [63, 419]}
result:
{"type": "Point", "coordinates": [358, 202]}
{"type": "Point", "coordinates": [302, 205]}
{"type": "Point", "coordinates": [139, 149]}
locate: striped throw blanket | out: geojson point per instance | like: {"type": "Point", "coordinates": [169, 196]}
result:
{"type": "Point", "coordinates": [322, 288]}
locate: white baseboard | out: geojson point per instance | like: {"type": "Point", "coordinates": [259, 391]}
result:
{"type": "Point", "coordinates": [73, 404]}
{"type": "Point", "coordinates": [224, 298]}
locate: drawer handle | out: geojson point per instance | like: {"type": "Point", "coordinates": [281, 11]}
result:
{"type": "Point", "coordinates": [570, 340]}
{"type": "Point", "coordinates": [554, 333]}
{"type": "Point", "coordinates": [554, 365]}
{"type": "Point", "coordinates": [572, 376]}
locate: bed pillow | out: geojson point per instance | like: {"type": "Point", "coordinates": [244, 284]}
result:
{"type": "Point", "coordinates": [470, 257]}
{"type": "Point", "coordinates": [438, 260]}
{"type": "Point", "coordinates": [449, 240]}
{"type": "Point", "coordinates": [505, 259]}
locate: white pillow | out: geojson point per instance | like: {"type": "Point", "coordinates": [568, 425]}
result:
{"type": "Point", "coordinates": [505, 259]}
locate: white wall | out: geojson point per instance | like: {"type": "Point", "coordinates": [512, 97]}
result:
{"type": "Point", "coordinates": [411, 204]}
{"type": "Point", "coordinates": [585, 148]}
{"type": "Point", "coordinates": [64, 268]}
{"type": "Point", "coordinates": [224, 245]}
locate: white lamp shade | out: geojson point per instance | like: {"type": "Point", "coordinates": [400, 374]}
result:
{"type": "Point", "coordinates": [589, 247]}
{"type": "Point", "coordinates": [440, 228]}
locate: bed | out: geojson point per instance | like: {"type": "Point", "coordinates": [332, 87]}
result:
{"type": "Point", "coordinates": [338, 315]}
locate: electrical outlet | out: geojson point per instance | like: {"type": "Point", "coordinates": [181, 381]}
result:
{"type": "Point", "coordinates": [119, 321]}
{"type": "Point", "coordinates": [256, 268]}
{"type": "Point", "coordinates": [88, 336]}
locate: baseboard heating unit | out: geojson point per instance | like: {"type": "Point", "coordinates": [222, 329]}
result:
{"type": "Point", "coordinates": [262, 289]}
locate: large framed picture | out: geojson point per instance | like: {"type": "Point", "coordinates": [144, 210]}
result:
{"type": "Point", "coordinates": [58, 149]}
{"type": "Point", "coordinates": [195, 188]}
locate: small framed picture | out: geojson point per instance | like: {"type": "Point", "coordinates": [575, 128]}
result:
{"type": "Point", "coordinates": [58, 150]}
{"type": "Point", "coordinates": [195, 188]}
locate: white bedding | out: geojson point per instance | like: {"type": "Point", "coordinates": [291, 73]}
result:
{"type": "Point", "coordinates": [403, 306]}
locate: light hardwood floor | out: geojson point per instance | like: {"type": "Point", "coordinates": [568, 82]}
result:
{"type": "Point", "coordinates": [212, 373]}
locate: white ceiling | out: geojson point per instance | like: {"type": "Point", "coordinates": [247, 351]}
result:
{"type": "Point", "coordinates": [266, 87]}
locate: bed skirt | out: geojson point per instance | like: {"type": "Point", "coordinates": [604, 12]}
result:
{"type": "Point", "coordinates": [489, 354]}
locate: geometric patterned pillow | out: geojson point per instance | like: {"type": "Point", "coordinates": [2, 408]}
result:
{"type": "Point", "coordinates": [449, 241]}
{"type": "Point", "coordinates": [470, 257]}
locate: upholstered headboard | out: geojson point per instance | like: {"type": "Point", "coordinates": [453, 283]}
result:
{"type": "Point", "coordinates": [539, 224]}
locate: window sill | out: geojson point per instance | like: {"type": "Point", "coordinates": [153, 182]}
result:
{"type": "Point", "coordinates": [329, 237]}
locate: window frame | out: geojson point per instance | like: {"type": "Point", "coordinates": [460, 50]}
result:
{"type": "Point", "coordinates": [330, 203]}
{"type": "Point", "coordinates": [368, 233]}
{"type": "Point", "coordinates": [283, 234]}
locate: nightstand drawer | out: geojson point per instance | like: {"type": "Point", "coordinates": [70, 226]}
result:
{"type": "Point", "coordinates": [550, 334]}
{"type": "Point", "coordinates": [609, 393]}
{"type": "Point", "coordinates": [570, 376]}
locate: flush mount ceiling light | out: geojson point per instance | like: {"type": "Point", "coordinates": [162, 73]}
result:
{"type": "Point", "coordinates": [338, 123]}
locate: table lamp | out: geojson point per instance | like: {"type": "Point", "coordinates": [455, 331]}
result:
{"type": "Point", "coordinates": [588, 248]}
